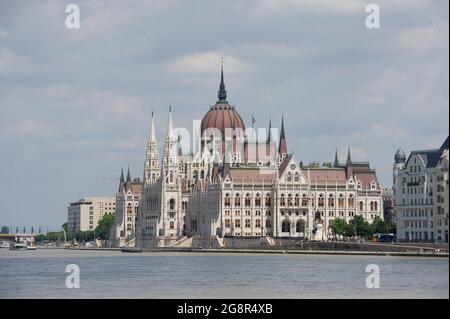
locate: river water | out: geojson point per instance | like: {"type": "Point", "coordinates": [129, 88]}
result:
{"type": "Point", "coordinates": [108, 274]}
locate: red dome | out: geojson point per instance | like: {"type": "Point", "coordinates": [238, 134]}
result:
{"type": "Point", "coordinates": [222, 116]}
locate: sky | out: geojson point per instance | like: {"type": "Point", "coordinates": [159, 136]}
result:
{"type": "Point", "coordinates": [75, 104]}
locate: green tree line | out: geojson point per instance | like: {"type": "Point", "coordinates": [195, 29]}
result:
{"type": "Point", "coordinates": [102, 231]}
{"type": "Point", "coordinates": [361, 228]}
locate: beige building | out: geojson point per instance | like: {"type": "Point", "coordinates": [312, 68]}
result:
{"type": "Point", "coordinates": [85, 214]}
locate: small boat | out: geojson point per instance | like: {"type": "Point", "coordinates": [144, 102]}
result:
{"type": "Point", "coordinates": [31, 247]}
{"type": "Point", "coordinates": [18, 246]}
{"type": "Point", "coordinates": [4, 245]}
{"type": "Point", "coordinates": [131, 250]}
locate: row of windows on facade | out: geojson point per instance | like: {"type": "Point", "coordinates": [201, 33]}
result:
{"type": "Point", "coordinates": [153, 203]}
{"type": "Point", "coordinates": [417, 235]}
{"type": "Point", "coordinates": [417, 213]}
{"type": "Point", "coordinates": [295, 201]}
{"type": "Point", "coordinates": [417, 190]}
{"type": "Point", "coordinates": [417, 179]}
{"type": "Point", "coordinates": [418, 224]}
{"type": "Point", "coordinates": [416, 201]}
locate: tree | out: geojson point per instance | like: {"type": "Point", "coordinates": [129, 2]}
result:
{"type": "Point", "coordinates": [360, 226]}
{"type": "Point", "coordinates": [5, 230]}
{"type": "Point", "coordinates": [104, 226]}
{"type": "Point", "coordinates": [338, 226]}
{"type": "Point", "coordinates": [379, 226]}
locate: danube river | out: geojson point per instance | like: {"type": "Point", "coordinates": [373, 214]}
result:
{"type": "Point", "coordinates": [108, 274]}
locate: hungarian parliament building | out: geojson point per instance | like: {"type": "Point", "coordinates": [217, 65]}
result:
{"type": "Point", "coordinates": [235, 188]}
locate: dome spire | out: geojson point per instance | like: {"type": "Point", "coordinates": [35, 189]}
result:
{"type": "Point", "coordinates": [222, 94]}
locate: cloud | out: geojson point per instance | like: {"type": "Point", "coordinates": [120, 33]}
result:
{"type": "Point", "coordinates": [32, 128]}
{"type": "Point", "coordinates": [206, 63]}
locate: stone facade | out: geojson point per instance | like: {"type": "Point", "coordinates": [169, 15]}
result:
{"type": "Point", "coordinates": [420, 188]}
{"type": "Point", "coordinates": [238, 185]}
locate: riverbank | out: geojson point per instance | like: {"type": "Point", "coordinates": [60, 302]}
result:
{"type": "Point", "coordinates": [279, 251]}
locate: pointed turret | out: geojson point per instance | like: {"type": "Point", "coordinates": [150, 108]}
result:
{"type": "Point", "coordinates": [152, 169]}
{"type": "Point", "coordinates": [269, 134]}
{"type": "Point", "coordinates": [122, 179]}
{"type": "Point", "coordinates": [222, 93]}
{"type": "Point", "coordinates": [128, 175]}
{"type": "Point", "coordinates": [170, 159]}
{"type": "Point", "coordinates": [349, 157]}
{"type": "Point", "coordinates": [152, 136]}
{"type": "Point", "coordinates": [336, 159]}
{"type": "Point", "coordinates": [282, 148]}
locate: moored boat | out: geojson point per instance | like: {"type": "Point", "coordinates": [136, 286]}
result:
{"type": "Point", "coordinates": [18, 246]}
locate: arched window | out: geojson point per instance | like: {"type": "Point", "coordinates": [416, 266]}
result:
{"type": "Point", "coordinates": [267, 200]}
{"type": "Point", "coordinates": [304, 199]}
{"type": "Point", "coordinates": [286, 227]}
{"type": "Point", "coordinates": [172, 203]}
{"type": "Point", "coordinates": [341, 201]}
{"type": "Point", "coordinates": [361, 205]}
{"type": "Point", "coordinates": [227, 200]}
{"type": "Point", "coordinates": [258, 200]}
{"type": "Point", "coordinates": [297, 177]}
{"type": "Point", "coordinates": [290, 201]}
{"type": "Point", "coordinates": [321, 201]}
{"type": "Point", "coordinates": [237, 200]}
{"type": "Point", "coordinates": [300, 226]}
{"type": "Point", "coordinates": [172, 225]}
{"type": "Point", "coordinates": [268, 224]}
{"type": "Point", "coordinates": [202, 174]}
{"type": "Point", "coordinates": [247, 223]}
{"type": "Point", "coordinates": [331, 200]}
{"type": "Point", "coordinates": [248, 200]}
{"type": "Point", "coordinates": [289, 177]}
{"type": "Point", "coordinates": [351, 201]}
{"type": "Point", "coordinates": [282, 200]}
{"type": "Point", "coordinates": [237, 223]}
{"type": "Point", "coordinates": [375, 206]}
{"type": "Point", "coordinates": [297, 200]}
{"type": "Point", "coordinates": [195, 174]}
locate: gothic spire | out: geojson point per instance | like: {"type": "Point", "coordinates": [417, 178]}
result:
{"type": "Point", "coordinates": [128, 175]}
{"type": "Point", "coordinates": [222, 94]}
{"type": "Point", "coordinates": [336, 159]}
{"type": "Point", "coordinates": [282, 148]}
{"type": "Point", "coordinates": [269, 135]}
{"type": "Point", "coordinates": [152, 137]}
{"type": "Point", "coordinates": [349, 157]}
{"type": "Point", "coordinates": [169, 132]}
{"type": "Point", "coordinates": [122, 179]}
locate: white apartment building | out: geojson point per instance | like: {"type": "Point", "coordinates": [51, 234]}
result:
{"type": "Point", "coordinates": [418, 185]}
{"type": "Point", "coordinates": [85, 214]}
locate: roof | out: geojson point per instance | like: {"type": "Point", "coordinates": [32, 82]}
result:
{"type": "Point", "coordinates": [431, 157]}
{"type": "Point", "coordinates": [329, 175]}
